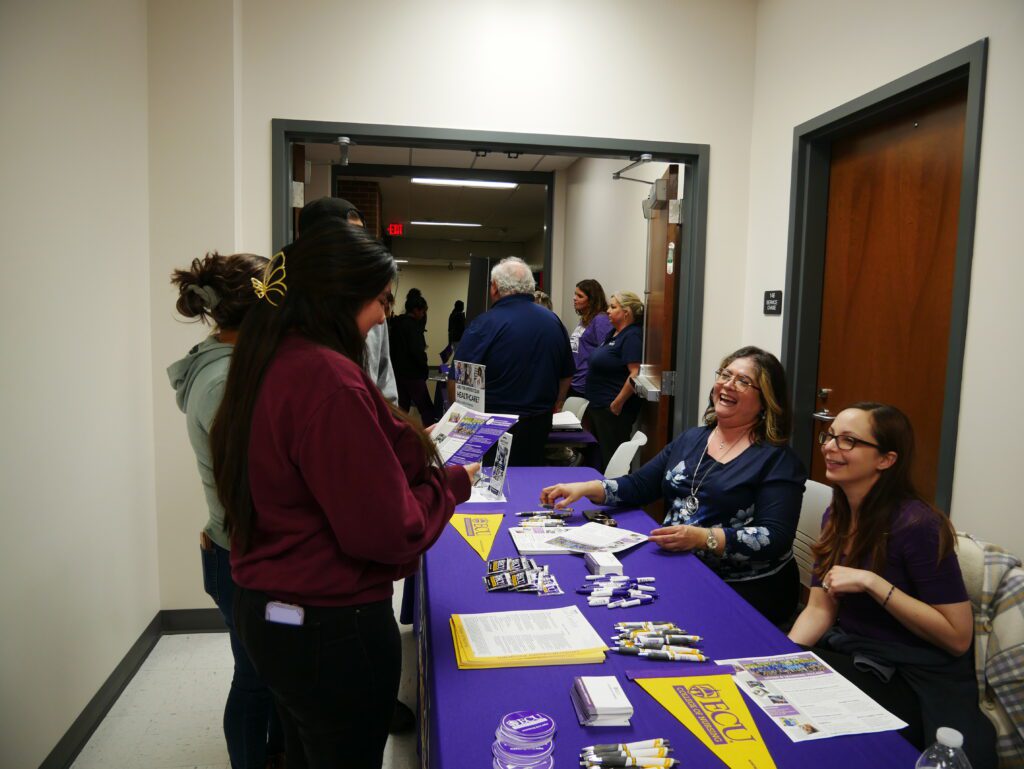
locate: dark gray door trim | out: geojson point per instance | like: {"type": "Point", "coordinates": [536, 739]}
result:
{"type": "Point", "coordinates": [812, 143]}
{"type": "Point", "coordinates": [696, 158]}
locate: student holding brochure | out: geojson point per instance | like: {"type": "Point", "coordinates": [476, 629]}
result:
{"type": "Point", "coordinates": [330, 495]}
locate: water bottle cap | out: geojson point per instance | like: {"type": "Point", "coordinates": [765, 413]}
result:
{"type": "Point", "coordinates": [951, 738]}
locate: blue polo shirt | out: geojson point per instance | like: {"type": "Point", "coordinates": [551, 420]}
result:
{"type": "Point", "coordinates": [526, 350]}
{"type": "Point", "coordinates": [607, 365]}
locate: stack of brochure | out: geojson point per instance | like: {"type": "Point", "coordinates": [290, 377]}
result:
{"type": "Point", "coordinates": [525, 639]}
{"type": "Point", "coordinates": [600, 701]}
{"type": "Point", "coordinates": [566, 420]}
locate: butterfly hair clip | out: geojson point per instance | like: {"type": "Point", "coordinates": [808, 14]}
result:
{"type": "Point", "coordinates": [273, 279]}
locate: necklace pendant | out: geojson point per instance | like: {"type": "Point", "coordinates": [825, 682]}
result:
{"type": "Point", "coordinates": [692, 503]}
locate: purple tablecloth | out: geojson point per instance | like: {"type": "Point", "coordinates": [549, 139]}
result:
{"type": "Point", "coordinates": [463, 707]}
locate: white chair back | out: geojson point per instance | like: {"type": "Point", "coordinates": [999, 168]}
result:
{"type": "Point", "coordinates": [576, 405]}
{"type": "Point", "coordinates": [817, 496]}
{"type": "Point", "coordinates": [971, 556]}
{"type": "Point", "coordinates": [622, 459]}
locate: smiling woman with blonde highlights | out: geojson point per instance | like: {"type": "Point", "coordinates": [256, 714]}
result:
{"type": "Point", "coordinates": [732, 488]}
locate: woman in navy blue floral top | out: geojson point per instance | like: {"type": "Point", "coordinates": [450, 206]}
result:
{"type": "Point", "coordinates": [732, 488]}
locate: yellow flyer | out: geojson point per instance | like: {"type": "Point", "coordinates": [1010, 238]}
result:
{"type": "Point", "coordinates": [478, 530]}
{"type": "Point", "coordinates": [713, 709]}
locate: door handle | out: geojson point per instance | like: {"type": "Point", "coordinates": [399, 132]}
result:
{"type": "Point", "coordinates": [823, 416]}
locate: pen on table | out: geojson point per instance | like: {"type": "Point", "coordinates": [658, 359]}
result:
{"type": "Point", "coordinates": [661, 752]}
{"type": "Point", "coordinates": [640, 761]}
{"type": "Point", "coordinates": [671, 656]}
{"type": "Point", "coordinates": [642, 625]}
{"type": "Point", "coordinates": [655, 742]}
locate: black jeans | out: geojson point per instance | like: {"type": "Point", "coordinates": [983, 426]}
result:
{"type": "Point", "coordinates": [335, 678]}
{"type": "Point", "coordinates": [529, 437]}
{"type": "Point", "coordinates": [612, 430]}
{"type": "Point", "coordinates": [776, 595]}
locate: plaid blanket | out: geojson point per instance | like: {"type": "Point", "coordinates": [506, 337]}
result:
{"type": "Point", "coordinates": [999, 648]}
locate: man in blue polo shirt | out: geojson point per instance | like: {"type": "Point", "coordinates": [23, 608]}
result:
{"type": "Point", "coordinates": [529, 362]}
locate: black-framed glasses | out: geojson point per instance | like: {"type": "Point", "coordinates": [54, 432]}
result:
{"type": "Point", "coordinates": [844, 442]}
{"type": "Point", "coordinates": [742, 383]}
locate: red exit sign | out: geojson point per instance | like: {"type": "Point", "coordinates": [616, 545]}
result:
{"type": "Point", "coordinates": [396, 228]}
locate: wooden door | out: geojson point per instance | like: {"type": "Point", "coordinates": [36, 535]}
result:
{"type": "Point", "coordinates": [660, 298]}
{"type": "Point", "coordinates": [894, 199]}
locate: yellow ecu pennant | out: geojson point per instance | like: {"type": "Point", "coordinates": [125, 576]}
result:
{"type": "Point", "coordinates": [478, 530]}
{"type": "Point", "coordinates": [713, 709]}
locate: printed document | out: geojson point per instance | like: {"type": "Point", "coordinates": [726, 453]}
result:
{"type": "Point", "coordinates": [464, 436]}
{"type": "Point", "coordinates": [807, 699]}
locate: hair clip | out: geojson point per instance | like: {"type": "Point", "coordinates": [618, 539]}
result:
{"type": "Point", "coordinates": [273, 279]}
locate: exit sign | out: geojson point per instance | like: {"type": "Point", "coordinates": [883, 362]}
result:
{"type": "Point", "coordinates": [396, 228]}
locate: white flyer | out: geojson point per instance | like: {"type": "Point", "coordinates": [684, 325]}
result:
{"type": "Point", "coordinates": [596, 537]}
{"type": "Point", "coordinates": [808, 699]}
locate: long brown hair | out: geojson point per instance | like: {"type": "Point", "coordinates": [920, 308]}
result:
{"type": "Point", "coordinates": [775, 419]}
{"type": "Point", "coordinates": [892, 431]}
{"type": "Point", "coordinates": [331, 272]}
{"type": "Point", "coordinates": [596, 302]}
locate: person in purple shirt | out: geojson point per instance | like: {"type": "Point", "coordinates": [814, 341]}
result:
{"type": "Point", "coordinates": [888, 607]}
{"type": "Point", "coordinates": [590, 304]}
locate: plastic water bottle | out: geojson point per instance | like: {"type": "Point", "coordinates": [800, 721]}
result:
{"type": "Point", "coordinates": [946, 753]}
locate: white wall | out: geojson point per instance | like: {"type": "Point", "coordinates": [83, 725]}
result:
{"type": "Point", "coordinates": [193, 128]}
{"type": "Point", "coordinates": [440, 287]}
{"type": "Point", "coordinates": [78, 580]}
{"type": "Point", "coordinates": [588, 69]}
{"type": "Point", "coordinates": [813, 56]}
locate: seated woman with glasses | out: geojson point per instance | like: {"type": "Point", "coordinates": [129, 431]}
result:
{"type": "Point", "coordinates": [888, 607]}
{"type": "Point", "coordinates": [732, 488]}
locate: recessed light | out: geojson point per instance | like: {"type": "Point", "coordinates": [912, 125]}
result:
{"type": "Point", "coordinates": [480, 183]}
{"type": "Point", "coordinates": [446, 224]}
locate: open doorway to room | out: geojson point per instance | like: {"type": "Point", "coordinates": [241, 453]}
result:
{"type": "Point", "coordinates": [309, 160]}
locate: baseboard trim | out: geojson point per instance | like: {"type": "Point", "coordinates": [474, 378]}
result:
{"type": "Point", "coordinates": [74, 739]}
{"type": "Point", "coordinates": [192, 621]}
{"type": "Point", "coordinates": [165, 622]}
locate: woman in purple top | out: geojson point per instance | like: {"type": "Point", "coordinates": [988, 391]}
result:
{"type": "Point", "coordinates": [590, 304]}
{"type": "Point", "coordinates": [888, 607]}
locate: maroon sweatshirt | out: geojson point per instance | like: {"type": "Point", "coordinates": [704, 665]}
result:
{"type": "Point", "coordinates": [344, 500]}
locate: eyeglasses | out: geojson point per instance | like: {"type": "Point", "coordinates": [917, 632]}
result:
{"type": "Point", "coordinates": [742, 383]}
{"type": "Point", "coordinates": [844, 442]}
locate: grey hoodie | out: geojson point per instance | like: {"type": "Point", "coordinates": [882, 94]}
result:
{"type": "Point", "coordinates": [198, 380]}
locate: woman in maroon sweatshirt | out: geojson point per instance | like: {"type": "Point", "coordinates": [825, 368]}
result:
{"type": "Point", "coordinates": [330, 495]}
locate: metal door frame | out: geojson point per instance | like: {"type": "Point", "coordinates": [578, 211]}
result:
{"type": "Point", "coordinates": [808, 213]}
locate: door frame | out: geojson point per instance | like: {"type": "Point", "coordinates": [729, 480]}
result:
{"type": "Point", "coordinates": [808, 213]}
{"type": "Point", "coordinates": [695, 158]}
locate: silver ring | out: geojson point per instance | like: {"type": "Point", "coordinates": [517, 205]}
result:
{"type": "Point", "coordinates": [824, 587]}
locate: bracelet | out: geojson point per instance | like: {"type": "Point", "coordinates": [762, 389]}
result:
{"type": "Point", "coordinates": [888, 595]}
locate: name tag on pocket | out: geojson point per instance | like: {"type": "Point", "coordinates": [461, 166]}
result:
{"type": "Point", "coordinates": [284, 613]}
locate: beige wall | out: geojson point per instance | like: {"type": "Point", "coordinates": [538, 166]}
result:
{"type": "Point", "coordinates": [440, 287]}
{"type": "Point", "coordinates": [192, 138]}
{"type": "Point", "coordinates": [78, 579]}
{"type": "Point", "coordinates": [813, 56]}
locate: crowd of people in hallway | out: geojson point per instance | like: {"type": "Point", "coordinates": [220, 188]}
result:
{"type": "Point", "coordinates": [322, 490]}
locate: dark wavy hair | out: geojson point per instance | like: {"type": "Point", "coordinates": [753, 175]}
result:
{"type": "Point", "coordinates": [775, 420]}
{"type": "Point", "coordinates": [217, 289]}
{"type": "Point", "coordinates": [596, 301]}
{"type": "Point", "coordinates": [892, 431]}
{"type": "Point", "coordinates": [331, 272]}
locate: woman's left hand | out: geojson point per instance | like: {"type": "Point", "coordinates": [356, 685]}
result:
{"type": "Point", "coordinates": [615, 407]}
{"type": "Point", "coordinates": [841, 580]}
{"type": "Point", "coordinates": [679, 538]}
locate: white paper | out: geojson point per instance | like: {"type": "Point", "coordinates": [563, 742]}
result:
{"type": "Point", "coordinates": [596, 537]}
{"type": "Point", "coordinates": [808, 699]}
{"type": "Point", "coordinates": [565, 420]}
{"type": "Point", "coordinates": [535, 541]}
{"type": "Point", "coordinates": [544, 631]}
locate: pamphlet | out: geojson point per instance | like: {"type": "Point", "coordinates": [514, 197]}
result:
{"type": "Point", "coordinates": [470, 380]}
{"type": "Point", "coordinates": [525, 638]}
{"type": "Point", "coordinates": [464, 436]}
{"type": "Point", "coordinates": [807, 699]}
{"type": "Point", "coordinates": [594, 537]}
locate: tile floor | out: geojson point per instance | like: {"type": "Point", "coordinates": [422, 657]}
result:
{"type": "Point", "coordinates": [169, 716]}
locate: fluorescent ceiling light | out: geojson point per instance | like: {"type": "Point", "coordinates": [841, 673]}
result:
{"type": "Point", "coordinates": [401, 261]}
{"type": "Point", "coordinates": [466, 183]}
{"type": "Point", "coordinates": [447, 224]}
